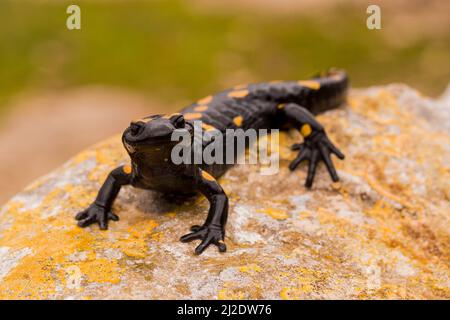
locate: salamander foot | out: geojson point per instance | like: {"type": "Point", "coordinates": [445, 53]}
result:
{"type": "Point", "coordinates": [316, 147]}
{"type": "Point", "coordinates": [95, 213]}
{"type": "Point", "coordinates": [209, 235]}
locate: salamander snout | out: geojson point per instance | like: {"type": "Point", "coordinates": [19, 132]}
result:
{"type": "Point", "coordinates": [151, 131]}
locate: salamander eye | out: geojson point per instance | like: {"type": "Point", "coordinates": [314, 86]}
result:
{"type": "Point", "coordinates": [178, 120]}
{"type": "Point", "coordinates": [136, 128]}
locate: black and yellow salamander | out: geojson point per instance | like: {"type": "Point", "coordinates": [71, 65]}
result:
{"type": "Point", "coordinates": [270, 105]}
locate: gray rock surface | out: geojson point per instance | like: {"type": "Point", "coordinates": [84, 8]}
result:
{"type": "Point", "coordinates": [382, 232]}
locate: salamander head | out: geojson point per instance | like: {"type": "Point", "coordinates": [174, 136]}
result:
{"type": "Point", "coordinates": [153, 132]}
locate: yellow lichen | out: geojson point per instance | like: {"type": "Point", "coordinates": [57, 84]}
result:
{"type": "Point", "coordinates": [290, 293]}
{"type": "Point", "coordinates": [227, 294]}
{"type": "Point", "coordinates": [250, 268]}
{"type": "Point", "coordinates": [51, 239]}
{"type": "Point", "coordinates": [275, 213]}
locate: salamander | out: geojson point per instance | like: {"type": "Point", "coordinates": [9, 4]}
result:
{"type": "Point", "coordinates": [276, 104]}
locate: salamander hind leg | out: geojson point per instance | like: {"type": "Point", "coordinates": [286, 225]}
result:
{"type": "Point", "coordinates": [316, 146]}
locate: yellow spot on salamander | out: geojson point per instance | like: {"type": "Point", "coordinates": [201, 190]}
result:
{"type": "Point", "coordinates": [240, 86]}
{"type": "Point", "coordinates": [145, 120]}
{"type": "Point", "coordinates": [281, 105]}
{"type": "Point", "coordinates": [336, 76]}
{"type": "Point", "coordinates": [238, 120]}
{"type": "Point", "coordinates": [168, 116]}
{"type": "Point", "coordinates": [205, 100]}
{"type": "Point", "coordinates": [127, 169]}
{"type": "Point", "coordinates": [207, 127]}
{"type": "Point", "coordinates": [238, 94]}
{"type": "Point", "coordinates": [201, 108]}
{"type": "Point", "coordinates": [192, 116]}
{"type": "Point", "coordinates": [305, 130]}
{"type": "Point", "coordinates": [311, 84]}
{"type": "Point", "coordinates": [207, 176]}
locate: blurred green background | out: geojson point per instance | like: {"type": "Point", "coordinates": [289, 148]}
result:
{"type": "Point", "coordinates": [175, 51]}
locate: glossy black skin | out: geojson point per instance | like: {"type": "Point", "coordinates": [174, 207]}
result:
{"type": "Point", "coordinates": [265, 105]}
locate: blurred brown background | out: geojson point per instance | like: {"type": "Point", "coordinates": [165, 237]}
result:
{"type": "Point", "coordinates": [61, 90]}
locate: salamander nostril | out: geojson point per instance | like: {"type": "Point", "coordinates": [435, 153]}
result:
{"type": "Point", "coordinates": [136, 128]}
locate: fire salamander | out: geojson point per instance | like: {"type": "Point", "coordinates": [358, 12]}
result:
{"type": "Point", "coordinates": [276, 104]}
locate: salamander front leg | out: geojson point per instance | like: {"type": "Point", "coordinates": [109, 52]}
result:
{"type": "Point", "coordinates": [316, 146]}
{"type": "Point", "coordinates": [100, 210]}
{"type": "Point", "coordinates": [213, 230]}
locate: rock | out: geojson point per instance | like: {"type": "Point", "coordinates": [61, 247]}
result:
{"type": "Point", "coordinates": [382, 232]}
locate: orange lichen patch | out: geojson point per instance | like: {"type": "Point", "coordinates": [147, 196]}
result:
{"type": "Point", "coordinates": [201, 108]}
{"type": "Point", "coordinates": [334, 225]}
{"type": "Point", "coordinates": [302, 282]}
{"type": "Point", "coordinates": [97, 176]}
{"type": "Point", "coordinates": [133, 243]}
{"type": "Point", "coordinates": [295, 293]}
{"type": "Point", "coordinates": [250, 268]}
{"type": "Point", "coordinates": [238, 120]}
{"type": "Point", "coordinates": [336, 185]}
{"type": "Point", "coordinates": [192, 116]}
{"type": "Point", "coordinates": [32, 278]}
{"type": "Point", "coordinates": [305, 130]}
{"type": "Point", "coordinates": [384, 110]}
{"type": "Point", "coordinates": [385, 193]}
{"type": "Point", "coordinates": [311, 84]}
{"type": "Point", "coordinates": [106, 157]}
{"type": "Point", "coordinates": [157, 236]}
{"type": "Point", "coordinates": [385, 113]}
{"type": "Point", "coordinates": [275, 213]}
{"type": "Point", "coordinates": [386, 144]}
{"type": "Point", "coordinates": [51, 239]}
{"type": "Point", "coordinates": [238, 94]}
{"type": "Point", "coordinates": [110, 153]}
{"type": "Point", "coordinates": [83, 156]}
{"type": "Point", "coordinates": [229, 294]}
{"type": "Point", "coordinates": [100, 270]}
{"type": "Point", "coordinates": [207, 176]}
{"type": "Point", "coordinates": [398, 200]}
{"type": "Point", "coordinates": [127, 169]}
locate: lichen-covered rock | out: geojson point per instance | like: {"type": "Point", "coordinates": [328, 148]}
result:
{"type": "Point", "coordinates": [382, 232]}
